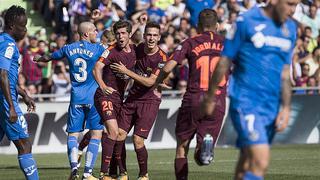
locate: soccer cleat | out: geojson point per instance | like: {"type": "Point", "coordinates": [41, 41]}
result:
{"type": "Point", "coordinates": [79, 158]}
{"type": "Point", "coordinates": [91, 177]}
{"type": "Point", "coordinates": [74, 175]}
{"type": "Point", "coordinates": [123, 176]}
{"type": "Point", "coordinates": [106, 177]}
{"type": "Point", "coordinates": [145, 177]}
{"type": "Point", "coordinates": [206, 155]}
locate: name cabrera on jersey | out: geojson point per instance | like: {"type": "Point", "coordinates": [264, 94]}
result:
{"type": "Point", "coordinates": [9, 61]}
{"type": "Point", "coordinates": [260, 48]}
{"type": "Point", "coordinates": [82, 56]}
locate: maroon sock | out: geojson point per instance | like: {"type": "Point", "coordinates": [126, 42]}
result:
{"type": "Point", "coordinates": [181, 168]}
{"type": "Point", "coordinates": [118, 150]}
{"type": "Point", "coordinates": [142, 157]}
{"type": "Point", "coordinates": [124, 156]}
{"type": "Point", "coordinates": [113, 169]}
{"type": "Point", "coordinates": [85, 141]}
{"type": "Point", "coordinates": [107, 150]}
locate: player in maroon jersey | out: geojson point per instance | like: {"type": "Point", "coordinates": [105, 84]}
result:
{"type": "Point", "coordinates": [202, 52]}
{"type": "Point", "coordinates": [109, 95]}
{"type": "Point", "coordinates": [142, 104]}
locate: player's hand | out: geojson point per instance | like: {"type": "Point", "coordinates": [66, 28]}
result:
{"type": "Point", "coordinates": [164, 86]}
{"type": "Point", "coordinates": [119, 68]}
{"type": "Point", "coordinates": [95, 14]}
{"type": "Point", "coordinates": [143, 19]}
{"type": "Point", "coordinates": [30, 103]}
{"type": "Point", "coordinates": [36, 58]}
{"type": "Point", "coordinates": [282, 119]}
{"type": "Point", "coordinates": [207, 106]}
{"type": "Point", "coordinates": [108, 90]}
{"type": "Point", "coordinates": [13, 117]}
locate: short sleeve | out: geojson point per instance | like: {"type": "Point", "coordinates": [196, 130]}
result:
{"type": "Point", "coordinates": [181, 52]}
{"type": "Point", "coordinates": [6, 55]}
{"type": "Point", "coordinates": [160, 64]}
{"type": "Point", "coordinates": [234, 38]}
{"type": "Point", "coordinates": [106, 56]}
{"type": "Point", "coordinates": [59, 54]}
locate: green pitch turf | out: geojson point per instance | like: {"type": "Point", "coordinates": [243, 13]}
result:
{"type": "Point", "coordinates": [293, 162]}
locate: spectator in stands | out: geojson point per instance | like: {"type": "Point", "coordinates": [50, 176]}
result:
{"type": "Point", "coordinates": [22, 81]}
{"type": "Point", "coordinates": [155, 13]}
{"type": "Point", "coordinates": [195, 6]}
{"type": "Point", "coordinates": [175, 12]}
{"type": "Point", "coordinates": [311, 20]}
{"type": "Point", "coordinates": [61, 82]}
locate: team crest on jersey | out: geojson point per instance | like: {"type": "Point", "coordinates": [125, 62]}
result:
{"type": "Point", "coordinates": [160, 65]}
{"type": "Point", "coordinates": [285, 31]}
{"type": "Point", "coordinates": [105, 54]}
{"type": "Point", "coordinates": [9, 52]}
{"type": "Point", "coordinates": [109, 113]}
{"type": "Point", "coordinates": [179, 47]}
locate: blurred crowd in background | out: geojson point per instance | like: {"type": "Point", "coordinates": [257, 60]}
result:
{"type": "Point", "coordinates": [177, 18]}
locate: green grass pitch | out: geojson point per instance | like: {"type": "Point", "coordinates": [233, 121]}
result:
{"type": "Point", "coordinates": [290, 162]}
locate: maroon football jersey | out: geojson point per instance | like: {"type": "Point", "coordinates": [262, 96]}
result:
{"type": "Point", "coordinates": [114, 54]}
{"type": "Point", "coordinates": [145, 66]}
{"type": "Point", "coordinates": [203, 53]}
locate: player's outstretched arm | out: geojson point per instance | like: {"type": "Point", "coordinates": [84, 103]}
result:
{"type": "Point", "coordinates": [5, 87]}
{"type": "Point", "coordinates": [165, 71]}
{"type": "Point", "coordinates": [146, 81]}
{"type": "Point", "coordinates": [27, 100]}
{"type": "Point", "coordinates": [220, 71]}
{"type": "Point", "coordinates": [38, 58]}
{"type": "Point", "coordinates": [284, 114]}
{"type": "Point", "coordinates": [97, 73]}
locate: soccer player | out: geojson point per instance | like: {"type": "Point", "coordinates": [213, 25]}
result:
{"type": "Point", "coordinates": [202, 52]}
{"type": "Point", "coordinates": [12, 121]}
{"type": "Point", "coordinates": [142, 104]}
{"type": "Point", "coordinates": [82, 56]}
{"type": "Point", "coordinates": [109, 96]}
{"type": "Point", "coordinates": [261, 48]}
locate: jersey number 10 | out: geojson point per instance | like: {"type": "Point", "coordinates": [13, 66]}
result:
{"type": "Point", "coordinates": [207, 66]}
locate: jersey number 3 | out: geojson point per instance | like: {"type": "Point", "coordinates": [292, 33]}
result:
{"type": "Point", "coordinates": [207, 66]}
{"type": "Point", "coordinates": [82, 75]}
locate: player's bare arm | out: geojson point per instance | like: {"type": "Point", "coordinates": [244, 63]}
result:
{"type": "Point", "coordinates": [31, 105]}
{"type": "Point", "coordinates": [38, 58]}
{"type": "Point", "coordinates": [284, 114]}
{"type": "Point", "coordinates": [97, 73]}
{"type": "Point", "coordinates": [165, 71]}
{"type": "Point", "coordinates": [221, 69]}
{"type": "Point", "coordinates": [5, 87]}
{"type": "Point", "coordinates": [146, 81]}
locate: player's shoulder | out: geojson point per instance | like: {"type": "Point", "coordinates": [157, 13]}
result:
{"type": "Point", "coordinates": [6, 40]}
{"type": "Point", "coordinates": [164, 56]}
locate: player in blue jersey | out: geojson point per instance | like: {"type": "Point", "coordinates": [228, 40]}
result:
{"type": "Point", "coordinates": [82, 56]}
{"type": "Point", "coordinates": [12, 121]}
{"type": "Point", "coordinates": [260, 47]}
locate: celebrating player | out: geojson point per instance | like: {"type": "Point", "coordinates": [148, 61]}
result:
{"type": "Point", "coordinates": [142, 104]}
{"type": "Point", "coordinates": [202, 52]}
{"type": "Point", "coordinates": [260, 47]}
{"type": "Point", "coordinates": [12, 121]}
{"type": "Point", "coordinates": [108, 98]}
{"type": "Point", "coordinates": [82, 56]}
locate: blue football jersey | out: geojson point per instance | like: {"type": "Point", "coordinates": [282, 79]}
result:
{"type": "Point", "coordinates": [82, 57]}
{"type": "Point", "coordinates": [9, 60]}
{"type": "Point", "coordinates": [259, 49]}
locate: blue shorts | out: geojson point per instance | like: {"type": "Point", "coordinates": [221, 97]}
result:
{"type": "Point", "coordinates": [83, 116]}
{"type": "Point", "coordinates": [15, 131]}
{"type": "Point", "coordinates": [253, 125]}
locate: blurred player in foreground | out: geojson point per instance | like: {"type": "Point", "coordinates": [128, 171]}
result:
{"type": "Point", "coordinates": [12, 121]}
{"type": "Point", "coordinates": [261, 48]}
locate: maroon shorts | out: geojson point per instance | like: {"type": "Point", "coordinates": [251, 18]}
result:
{"type": "Point", "coordinates": [190, 122]}
{"type": "Point", "coordinates": [139, 114]}
{"type": "Point", "coordinates": [108, 107]}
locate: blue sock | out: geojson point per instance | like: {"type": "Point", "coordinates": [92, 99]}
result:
{"type": "Point", "coordinates": [73, 151]}
{"type": "Point", "coordinates": [28, 166]}
{"type": "Point", "coordinates": [91, 155]}
{"type": "Point", "coordinates": [250, 176]}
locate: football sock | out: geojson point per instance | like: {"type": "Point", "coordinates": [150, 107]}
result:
{"type": "Point", "coordinates": [250, 176]}
{"type": "Point", "coordinates": [181, 168]}
{"type": "Point", "coordinates": [142, 157]}
{"type": "Point", "coordinates": [91, 155]}
{"type": "Point", "coordinates": [113, 169]}
{"type": "Point", "coordinates": [28, 166]}
{"type": "Point", "coordinates": [107, 150]}
{"type": "Point", "coordinates": [85, 141]}
{"type": "Point", "coordinates": [73, 151]}
{"type": "Point", "coordinates": [118, 149]}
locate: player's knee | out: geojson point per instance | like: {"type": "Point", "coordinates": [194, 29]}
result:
{"type": "Point", "coordinates": [24, 146]}
{"type": "Point", "coordinates": [122, 135]}
{"type": "Point", "coordinates": [96, 134]}
{"type": "Point", "coordinates": [113, 134]}
{"type": "Point", "coordinates": [259, 164]}
{"type": "Point", "coordinates": [138, 142]}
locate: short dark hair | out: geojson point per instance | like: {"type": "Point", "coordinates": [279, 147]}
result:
{"type": "Point", "coordinates": [207, 18]}
{"type": "Point", "coordinates": [122, 24]}
{"type": "Point", "coordinates": [152, 25]}
{"type": "Point", "coordinates": [12, 14]}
